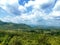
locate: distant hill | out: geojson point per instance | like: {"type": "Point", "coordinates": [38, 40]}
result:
{"type": "Point", "coordinates": [12, 26]}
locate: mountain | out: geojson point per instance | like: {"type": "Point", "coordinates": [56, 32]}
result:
{"type": "Point", "coordinates": [12, 26]}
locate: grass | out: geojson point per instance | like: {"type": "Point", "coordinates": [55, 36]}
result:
{"type": "Point", "coordinates": [19, 37]}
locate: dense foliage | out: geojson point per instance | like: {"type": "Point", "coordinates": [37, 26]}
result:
{"type": "Point", "coordinates": [21, 34]}
{"type": "Point", "coordinates": [18, 37]}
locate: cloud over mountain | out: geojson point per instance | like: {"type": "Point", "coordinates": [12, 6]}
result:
{"type": "Point", "coordinates": [37, 12]}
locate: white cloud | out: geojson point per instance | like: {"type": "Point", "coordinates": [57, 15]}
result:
{"type": "Point", "coordinates": [37, 3]}
{"type": "Point", "coordinates": [21, 8]}
{"type": "Point", "coordinates": [55, 13]}
{"type": "Point", "coordinates": [57, 5]}
{"type": "Point", "coordinates": [36, 14]}
{"type": "Point", "coordinates": [5, 2]}
{"type": "Point", "coordinates": [12, 2]}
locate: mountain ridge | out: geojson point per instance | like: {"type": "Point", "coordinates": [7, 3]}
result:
{"type": "Point", "coordinates": [15, 26]}
{"type": "Point", "coordinates": [9, 25]}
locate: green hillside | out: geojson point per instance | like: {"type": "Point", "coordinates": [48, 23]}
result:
{"type": "Point", "coordinates": [12, 26]}
{"type": "Point", "coordinates": [13, 37]}
{"type": "Point", "coordinates": [21, 34]}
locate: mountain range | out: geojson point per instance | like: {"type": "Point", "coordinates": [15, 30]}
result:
{"type": "Point", "coordinates": [14, 26]}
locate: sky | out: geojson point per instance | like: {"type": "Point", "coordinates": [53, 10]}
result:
{"type": "Point", "coordinates": [31, 12]}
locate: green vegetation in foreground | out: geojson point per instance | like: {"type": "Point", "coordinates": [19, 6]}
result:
{"type": "Point", "coordinates": [19, 37]}
{"type": "Point", "coordinates": [21, 34]}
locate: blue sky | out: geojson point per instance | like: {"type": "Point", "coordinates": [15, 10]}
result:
{"type": "Point", "coordinates": [32, 12]}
